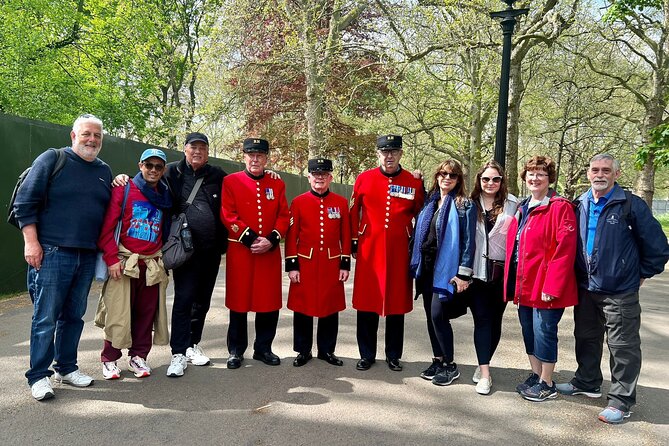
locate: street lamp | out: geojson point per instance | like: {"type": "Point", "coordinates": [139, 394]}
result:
{"type": "Point", "coordinates": [342, 159]}
{"type": "Point", "coordinates": [508, 22]}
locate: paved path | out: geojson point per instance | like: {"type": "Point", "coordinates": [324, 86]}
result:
{"type": "Point", "coordinates": [323, 404]}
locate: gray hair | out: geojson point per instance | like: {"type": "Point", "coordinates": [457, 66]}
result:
{"type": "Point", "coordinates": [606, 156]}
{"type": "Point", "coordinates": [86, 118]}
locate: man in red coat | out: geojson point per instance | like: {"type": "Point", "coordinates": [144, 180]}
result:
{"type": "Point", "coordinates": [255, 212]}
{"type": "Point", "coordinates": [383, 205]}
{"type": "Point", "coordinates": [318, 262]}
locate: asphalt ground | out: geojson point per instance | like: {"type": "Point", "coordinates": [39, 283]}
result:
{"type": "Point", "coordinates": [323, 404]}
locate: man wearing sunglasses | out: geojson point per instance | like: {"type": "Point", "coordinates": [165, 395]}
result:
{"type": "Point", "coordinates": [133, 298]}
{"type": "Point", "coordinates": [384, 202]}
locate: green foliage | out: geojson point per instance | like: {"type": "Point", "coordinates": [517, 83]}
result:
{"type": "Point", "coordinates": [622, 8]}
{"type": "Point", "coordinates": [659, 148]}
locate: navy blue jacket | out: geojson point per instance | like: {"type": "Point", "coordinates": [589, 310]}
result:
{"type": "Point", "coordinates": [69, 211]}
{"type": "Point", "coordinates": [624, 251]}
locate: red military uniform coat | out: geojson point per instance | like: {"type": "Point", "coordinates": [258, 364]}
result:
{"type": "Point", "coordinates": [252, 207]}
{"type": "Point", "coordinates": [319, 246]}
{"type": "Point", "coordinates": [382, 209]}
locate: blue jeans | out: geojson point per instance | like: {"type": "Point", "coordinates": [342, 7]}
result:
{"type": "Point", "coordinates": [59, 291]}
{"type": "Point", "coordinates": [540, 331]}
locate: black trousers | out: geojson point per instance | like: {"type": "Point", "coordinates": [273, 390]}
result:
{"type": "Point", "coordinates": [238, 337]}
{"type": "Point", "coordinates": [194, 283]}
{"type": "Point", "coordinates": [366, 332]}
{"type": "Point", "coordinates": [326, 333]}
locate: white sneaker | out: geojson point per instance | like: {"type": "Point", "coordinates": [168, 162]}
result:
{"type": "Point", "coordinates": [76, 379]}
{"type": "Point", "coordinates": [177, 365]}
{"type": "Point", "coordinates": [139, 367]}
{"type": "Point", "coordinates": [42, 389]}
{"type": "Point", "coordinates": [477, 375]}
{"type": "Point", "coordinates": [195, 355]}
{"type": "Point", "coordinates": [110, 370]}
{"type": "Point", "coordinates": [484, 385]}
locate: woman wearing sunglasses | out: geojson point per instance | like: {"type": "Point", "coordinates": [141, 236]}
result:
{"type": "Point", "coordinates": [441, 261]}
{"type": "Point", "coordinates": [540, 254]}
{"type": "Point", "coordinates": [495, 210]}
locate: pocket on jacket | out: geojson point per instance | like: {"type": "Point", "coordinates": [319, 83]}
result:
{"type": "Point", "coordinates": [362, 230]}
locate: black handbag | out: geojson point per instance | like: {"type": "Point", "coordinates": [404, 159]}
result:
{"type": "Point", "coordinates": [179, 245]}
{"type": "Point", "coordinates": [494, 270]}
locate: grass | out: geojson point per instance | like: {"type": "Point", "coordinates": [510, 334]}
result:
{"type": "Point", "coordinates": [664, 221]}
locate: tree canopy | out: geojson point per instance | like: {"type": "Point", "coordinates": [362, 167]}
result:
{"type": "Point", "coordinates": [324, 77]}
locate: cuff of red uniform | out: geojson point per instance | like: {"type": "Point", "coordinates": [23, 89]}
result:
{"type": "Point", "coordinates": [292, 264]}
{"type": "Point", "coordinates": [248, 237]}
{"type": "Point", "coordinates": [354, 246]}
{"type": "Point", "coordinates": [345, 263]}
{"type": "Point", "coordinates": [274, 238]}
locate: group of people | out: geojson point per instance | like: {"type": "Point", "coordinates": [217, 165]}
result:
{"type": "Point", "coordinates": [476, 251]}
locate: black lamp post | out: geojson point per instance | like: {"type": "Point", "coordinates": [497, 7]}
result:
{"type": "Point", "coordinates": [342, 159]}
{"type": "Point", "coordinates": [508, 22]}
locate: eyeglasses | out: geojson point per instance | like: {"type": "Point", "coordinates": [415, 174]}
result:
{"type": "Point", "coordinates": [393, 152]}
{"type": "Point", "coordinates": [537, 175]}
{"type": "Point", "coordinates": [495, 180]}
{"type": "Point", "coordinates": [449, 175]}
{"type": "Point", "coordinates": [157, 167]}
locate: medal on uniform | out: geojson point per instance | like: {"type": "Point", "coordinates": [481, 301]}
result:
{"type": "Point", "coordinates": [269, 193]}
{"type": "Point", "coordinates": [334, 212]}
{"type": "Point", "coordinates": [405, 192]}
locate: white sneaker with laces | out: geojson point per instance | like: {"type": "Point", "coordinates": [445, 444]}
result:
{"type": "Point", "coordinates": [477, 375]}
{"type": "Point", "coordinates": [196, 356]}
{"type": "Point", "coordinates": [139, 367]}
{"type": "Point", "coordinates": [42, 389]}
{"type": "Point", "coordinates": [177, 366]}
{"type": "Point", "coordinates": [484, 385]}
{"type": "Point", "coordinates": [76, 379]}
{"type": "Point", "coordinates": [110, 370]}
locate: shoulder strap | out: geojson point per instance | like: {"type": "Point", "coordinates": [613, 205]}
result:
{"type": "Point", "coordinates": [196, 187]}
{"type": "Point", "coordinates": [119, 224]}
{"type": "Point", "coordinates": [60, 162]}
{"type": "Point", "coordinates": [627, 207]}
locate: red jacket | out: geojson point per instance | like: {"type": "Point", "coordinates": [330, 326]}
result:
{"type": "Point", "coordinates": [546, 255]}
{"type": "Point", "coordinates": [253, 207]}
{"type": "Point", "coordinates": [142, 227]}
{"type": "Point", "coordinates": [382, 209]}
{"type": "Point", "coordinates": [319, 246]}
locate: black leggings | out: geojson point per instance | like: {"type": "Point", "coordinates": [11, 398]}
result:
{"type": "Point", "coordinates": [487, 304]}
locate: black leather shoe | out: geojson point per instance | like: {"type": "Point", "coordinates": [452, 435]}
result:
{"type": "Point", "coordinates": [235, 361]}
{"type": "Point", "coordinates": [394, 365]}
{"type": "Point", "coordinates": [268, 358]}
{"type": "Point", "coordinates": [302, 359]}
{"type": "Point", "coordinates": [330, 358]}
{"type": "Point", "coordinates": [364, 364]}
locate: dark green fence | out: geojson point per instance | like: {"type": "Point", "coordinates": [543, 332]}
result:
{"type": "Point", "coordinates": [24, 139]}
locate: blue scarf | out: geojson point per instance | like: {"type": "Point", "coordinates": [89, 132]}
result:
{"type": "Point", "coordinates": [448, 244]}
{"type": "Point", "coordinates": [158, 196]}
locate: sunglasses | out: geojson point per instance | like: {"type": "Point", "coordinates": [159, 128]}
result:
{"type": "Point", "coordinates": [495, 180]}
{"type": "Point", "coordinates": [157, 167]}
{"type": "Point", "coordinates": [449, 175]}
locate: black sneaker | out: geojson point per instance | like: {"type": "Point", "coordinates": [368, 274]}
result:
{"type": "Point", "coordinates": [540, 392]}
{"type": "Point", "coordinates": [529, 382]}
{"type": "Point", "coordinates": [436, 367]}
{"type": "Point", "coordinates": [447, 375]}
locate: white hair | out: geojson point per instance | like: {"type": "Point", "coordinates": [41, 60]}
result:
{"type": "Point", "coordinates": [606, 156]}
{"type": "Point", "coordinates": [86, 118]}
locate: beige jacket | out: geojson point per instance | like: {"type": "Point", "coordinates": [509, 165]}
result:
{"type": "Point", "coordinates": [113, 313]}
